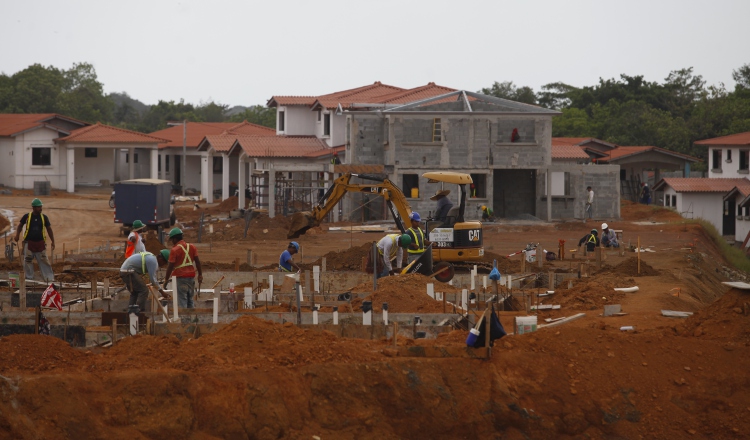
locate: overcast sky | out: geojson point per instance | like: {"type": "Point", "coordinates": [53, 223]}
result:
{"type": "Point", "coordinates": [244, 52]}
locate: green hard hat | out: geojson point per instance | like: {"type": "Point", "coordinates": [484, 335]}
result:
{"type": "Point", "coordinates": [175, 231]}
{"type": "Point", "coordinates": [138, 224]}
{"type": "Point", "coordinates": [405, 240]}
{"type": "Point", "coordinates": [35, 203]}
{"type": "Point", "coordinates": [165, 254]}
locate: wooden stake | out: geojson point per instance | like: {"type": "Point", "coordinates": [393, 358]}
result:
{"type": "Point", "coordinates": [161, 307]}
{"type": "Point", "coordinates": [598, 254]}
{"type": "Point", "coordinates": [445, 305]}
{"type": "Point", "coordinates": [639, 255]}
{"type": "Point", "coordinates": [523, 262]}
{"type": "Point", "coordinates": [37, 310]}
{"type": "Point", "coordinates": [395, 333]}
{"type": "Point", "coordinates": [214, 286]}
{"type": "Point", "coordinates": [487, 328]}
{"type": "Point", "coordinates": [114, 332]}
{"type": "Point", "coordinates": [63, 253]}
{"type": "Point", "coordinates": [237, 264]}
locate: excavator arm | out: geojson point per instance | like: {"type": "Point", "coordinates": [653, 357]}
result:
{"type": "Point", "coordinates": [394, 198]}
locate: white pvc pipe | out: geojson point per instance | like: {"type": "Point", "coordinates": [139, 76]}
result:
{"type": "Point", "coordinates": [248, 297]}
{"type": "Point", "coordinates": [165, 316]}
{"type": "Point", "coordinates": [175, 313]}
{"type": "Point", "coordinates": [484, 282]}
{"type": "Point", "coordinates": [315, 317]}
{"type": "Point", "coordinates": [216, 310]}
{"type": "Point", "coordinates": [464, 298]}
{"type": "Point", "coordinates": [626, 289]}
{"type": "Point", "coordinates": [336, 317]}
{"type": "Point", "coordinates": [133, 324]}
{"type": "Point", "coordinates": [367, 318]}
{"type": "Point", "coordinates": [316, 278]}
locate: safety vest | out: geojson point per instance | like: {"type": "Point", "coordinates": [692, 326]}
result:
{"type": "Point", "coordinates": [143, 261]}
{"type": "Point", "coordinates": [419, 237]}
{"type": "Point", "coordinates": [592, 238]}
{"type": "Point", "coordinates": [28, 225]}
{"type": "Point", "coordinates": [394, 247]}
{"type": "Point", "coordinates": [187, 261]}
{"type": "Point", "coordinates": [130, 246]}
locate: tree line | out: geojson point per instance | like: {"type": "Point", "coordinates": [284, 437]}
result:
{"type": "Point", "coordinates": [631, 111]}
{"type": "Point", "coordinates": [78, 93]}
{"type": "Point", "coordinates": [672, 114]}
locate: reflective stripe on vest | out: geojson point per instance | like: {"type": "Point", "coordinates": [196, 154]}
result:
{"type": "Point", "coordinates": [420, 243]}
{"type": "Point", "coordinates": [187, 261]}
{"type": "Point", "coordinates": [28, 225]}
{"type": "Point", "coordinates": [592, 238]}
{"type": "Point", "coordinates": [143, 261]}
{"type": "Point", "coordinates": [394, 237]}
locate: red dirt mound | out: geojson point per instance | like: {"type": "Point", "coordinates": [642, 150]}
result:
{"type": "Point", "coordinates": [591, 293]}
{"type": "Point", "coordinates": [350, 259]}
{"type": "Point", "coordinates": [635, 211]}
{"type": "Point", "coordinates": [629, 268]}
{"type": "Point", "coordinates": [36, 353]}
{"type": "Point", "coordinates": [727, 318]}
{"type": "Point", "coordinates": [404, 294]}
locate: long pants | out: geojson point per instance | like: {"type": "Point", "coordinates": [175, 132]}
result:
{"type": "Point", "coordinates": [137, 288]}
{"type": "Point", "coordinates": [41, 258]}
{"type": "Point", "coordinates": [185, 291]}
{"type": "Point", "coordinates": [589, 210]}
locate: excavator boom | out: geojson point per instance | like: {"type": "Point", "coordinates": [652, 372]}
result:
{"type": "Point", "coordinates": [399, 206]}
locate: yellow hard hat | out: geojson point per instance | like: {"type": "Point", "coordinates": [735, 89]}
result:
{"type": "Point", "coordinates": [484, 207]}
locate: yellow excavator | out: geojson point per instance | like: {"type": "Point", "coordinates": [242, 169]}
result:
{"type": "Point", "coordinates": [453, 241]}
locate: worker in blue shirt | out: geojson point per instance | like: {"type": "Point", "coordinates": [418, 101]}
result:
{"type": "Point", "coordinates": [285, 260]}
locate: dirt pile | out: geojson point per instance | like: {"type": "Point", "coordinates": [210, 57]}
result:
{"type": "Point", "coordinates": [4, 223]}
{"type": "Point", "coordinates": [349, 259]}
{"type": "Point", "coordinates": [226, 205]}
{"type": "Point", "coordinates": [727, 318]}
{"type": "Point", "coordinates": [403, 293]}
{"type": "Point", "coordinates": [631, 211]}
{"type": "Point", "coordinates": [36, 354]}
{"type": "Point", "coordinates": [591, 293]}
{"type": "Point", "coordinates": [261, 228]}
{"type": "Point", "coordinates": [629, 268]}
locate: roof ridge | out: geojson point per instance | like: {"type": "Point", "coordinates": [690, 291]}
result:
{"type": "Point", "coordinates": [83, 130]}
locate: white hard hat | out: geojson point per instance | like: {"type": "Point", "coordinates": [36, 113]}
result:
{"type": "Point", "coordinates": [605, 226]}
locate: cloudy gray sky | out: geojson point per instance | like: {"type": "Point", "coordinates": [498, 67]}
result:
{"type": "Point", "coordinates": [243, 52]}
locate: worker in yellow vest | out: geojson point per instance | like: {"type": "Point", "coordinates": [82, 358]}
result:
{"type": "Point", "coordinates": [132, 271]}
{"type": "Point", "coordinates": [37, 228]}
{"type": "Point", "coordinates": [389, 247]}
{"type": "Point", "coordinates": [183, 263]}
{"type": "Point", "coordinates": [418, 238]}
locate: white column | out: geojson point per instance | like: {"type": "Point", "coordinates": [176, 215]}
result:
{"type": "Point", "coordinates": [163, 171]}
{"type": "Point", "coordinates": [154, 163]}
{"type": "Point", "coordinates": [225, 177]}
{"type": "Point", "coordinates": [131, 163]}
{"type": "Point", "coordinates": [206, 174]}
{"type": "Point", "coordinates": [336, 208]}
{"type": "Point", "coordinates": [241, 180]}
{"type": "Point", "coordinates": [71, 169]}
{"type": "Point", "coordinates": [271, 192]}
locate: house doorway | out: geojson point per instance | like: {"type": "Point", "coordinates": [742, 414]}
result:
{"type": "Point", "coordinates": [728, 218]}
{"type": "Point", "coordinates": [514, 193]}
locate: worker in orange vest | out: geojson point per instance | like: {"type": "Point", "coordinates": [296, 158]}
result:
{"type": "Point", "coordinates": [135, 244]}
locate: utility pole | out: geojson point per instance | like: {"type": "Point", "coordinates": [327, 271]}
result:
{"type": "Point", "coordinates": [184, 156]}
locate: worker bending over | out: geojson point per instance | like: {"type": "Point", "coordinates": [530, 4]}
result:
{"type": "Point", "coordinates": [488, 215]}
{"type": "Point", "coordinates": [591, 240]}
{"type": "Point", "coordinates": [131, 273]}
{"type": "Point", "coordinates": [183, 261]}
{"type": "Point", "coordinates": [285, 260]}
{"type": "Point", "coordinates": [390, 246]}
{"type": "Point", "coordinates": [35, 242]}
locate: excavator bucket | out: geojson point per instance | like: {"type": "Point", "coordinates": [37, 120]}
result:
{"type": "Point", "coordinates": [301, 222]}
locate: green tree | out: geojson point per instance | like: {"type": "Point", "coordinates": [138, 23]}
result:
{"type": "Point", "coordinates": [508, 90]}
{"type": "Point", "coordinates": [211, 112]}
{"type": "Point", "coordinates": [35, 89]}
{"type": "Point", "coordinates": [555, 95]}
{"type": "Point", "coordinates": [257, 114]}
{"type": "Point", "coordinates": [158, 115]}
{"type": "Point", "coordinates": [574, 122]}
{"type": "Point", "coordinates": [742, 76]}
{"type": "Point", "coordinates": [83, 96]}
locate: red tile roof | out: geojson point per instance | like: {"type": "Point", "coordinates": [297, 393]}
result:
{"type": "Point", "coordinates": [12, 124]}
{"type": "Point", "coordinates": [280, 146]}
{"type": "Point", "coordinates": [197, 131]}
{"type": "Point", "coordinates": [276, 101]}
{"type": "Point", "coordinates": [346, 98]}
{"type": "Point", "coordinates": [105, 134]}
{"type": "Point", "coordinates": [340, 150]}
{"type": "Point", "coordinates": [622, 152]}
{"type": "Point", "coordinates": [569, 140]}
{"type": "Point", "coordinates": [245, 127]}
{"type": "Point", "coordinates": [220, 142]}
{"type": "Point", "coordinates": [416, 94]}
{"type": "Point", "coordinates": [704, 184]}
{"type": "Point", "coordinates": [568, 152]}
{"type": "Point", "coordinates": [732, 139]}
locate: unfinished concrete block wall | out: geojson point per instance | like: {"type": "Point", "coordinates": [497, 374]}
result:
{"type": "Point", "coordinates": [603, 179]}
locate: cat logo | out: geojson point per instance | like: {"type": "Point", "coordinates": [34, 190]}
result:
{"type": "Point", "coordinates": [474, 234]}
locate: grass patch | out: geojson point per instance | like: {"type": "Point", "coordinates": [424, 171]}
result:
{"type": "Point", "coordinates": [736, 257]}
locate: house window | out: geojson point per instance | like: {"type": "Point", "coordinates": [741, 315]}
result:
{"type": "Point", "coordinates": [218, 165]}
{"type": "Point", "coordinates": [480, 186]}
{"type": "Point", "coordinates": [437, 130]}
{"type": "Point", "coordinates": [327, 125]}
{"type": "Point", "coordinates": [41, 156]}
{"type": "Point", "coordinates": [716, 159]}
{"type": "Point", "coordinates": [166, 163]}
{"type": "Point", "coordinates": [729, 156]}
{"type": "Point", "coordinates": [674, 200]}
{"type": "Point", "coordinates": [739, 210]}
{"type": "Point", "coordinates": [411, 182]}
{"type": "Point", "coordinates": [744, 159]}
{"type": "Point", "coordinates": [158, 163]}
{"type": "Point", "coordinates": [666, 200]}
{"type": "Point", "coordinates": [90, 152]}
{"type": "Point", "coordinates": [560, 184]}
{"type": "Point", "coordinates": [281, 120]}
{"type": "Point", "coordinates": [319, 114]}
{"type": "Point", "coordinates": [127, 157]}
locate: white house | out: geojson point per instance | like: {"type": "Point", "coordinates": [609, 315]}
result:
{"type": "Point", "coordinates": [728, 156]}
{"type": "Point", "coordinates": [695, 197]}
{"type": "Point", "coordinates": [28, 152]}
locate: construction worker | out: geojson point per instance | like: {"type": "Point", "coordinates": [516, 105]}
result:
{"type": "Point", "coordinates": [488, 214]}
{"type": "Point", "coordinates": [589, 204]}
{"type": "Point", "coordinates": [418, 239]}
{"type": "Point", "coordinates": [285, 260]}
{"type": "Point", "coordinates": [591, 240]}
{"type": "Point", "coordinates": [183, 260]}
{"type": "Point", "coordinates": [443, 204]}
{"type": "Point", "coordinates": [135, 240]}
{"type": "Point", "coordinates": [645, 196]}
{"type": "Point", "coordinates": [35, 242]}
{"type": "Point", "coordinates": [137, 265]}
{"type": "Point", "coordinates": [390, 246]}
{"type": "Point", "coordinates": [609, 237]}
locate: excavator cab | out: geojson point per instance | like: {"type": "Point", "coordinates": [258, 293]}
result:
{"type": "Point", "coordinates": [454, 240]}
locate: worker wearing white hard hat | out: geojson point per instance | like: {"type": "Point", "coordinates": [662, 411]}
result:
{"type": "Point", "coordinates": [609, 237]}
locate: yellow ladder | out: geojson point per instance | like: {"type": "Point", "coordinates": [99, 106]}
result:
{"type": "Point", "coordinates": [437, 132]}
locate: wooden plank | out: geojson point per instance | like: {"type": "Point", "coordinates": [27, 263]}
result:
{"type": "Point", "coordinates": [444, 352]}
{"type": "Point", "coordinates": [676, 314]}
{"type": "Point", "coordinates": [562, 321]}
{"type": "Point", "coordinates": [546, 307]}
